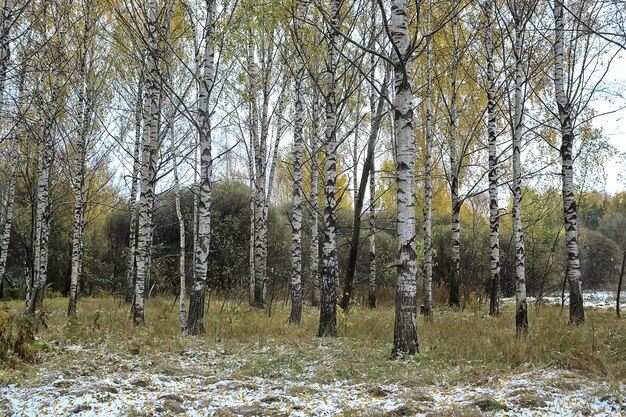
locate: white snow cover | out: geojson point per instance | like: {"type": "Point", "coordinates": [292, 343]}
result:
{"type": "Point", "coordinates": [595, 299]}
{"type": "Point", "coordinates": [203, 382]}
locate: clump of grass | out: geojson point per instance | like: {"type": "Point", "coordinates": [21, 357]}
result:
{"type": "Point", "coordinates": [17, 334]}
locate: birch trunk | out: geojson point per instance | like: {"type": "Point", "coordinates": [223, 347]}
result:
{"type": "Point", "coordinates": [252, 237]}
{"type": "Point", "coordinates": [315, 241]}
{"type": "Point", "coordinates": [494, 220]}
{"type": "Point", "coordinates": [329, 268]}
{"type": "Point", "coordinates": [296, 233]}
{"type": "Point", "coordinates": [8, 214]}
{"type": "Point", "coordinates": [78, 178]}
{"type": "Point", "coordinates": [576, 309]}
{"type": "Point", "coordinates": [427, 310]}
{"type": "Point", "coordinates": [5, 44]}
{"type": "Point", "coordinates": [148, 163]}
{"type": "Point", "coordinates": [182, 294]}
{"type": "Point", "coordinates": [41, 220]}
{"type": "Point", "coordinates": [195, 321]}
{"type": "Point", "coordinates": [455, 278]}
{"type": "Point", "coordinates": [254, 133]}
{"type": "Point", "coordinates": [371, 293]}
{"type": "Point", "coordinates": [405, 331]}
{"type": "Point", "coordinates": [260, 216]}
{"type": "Point", "coordinates": [521, 307]}
{"type": "Point", "coordinates": [42, 213]}
{"type": "Point", "coordinates": [132, 244]}
{"type": "Point", "coordinates": [5, 55]}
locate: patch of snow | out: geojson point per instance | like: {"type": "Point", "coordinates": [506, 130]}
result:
{"type": "Point", "coordinates": [115, 385]}
{"type": "Point", "coordinates": [595, 299]}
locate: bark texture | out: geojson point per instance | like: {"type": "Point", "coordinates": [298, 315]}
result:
{"type": "Point", "coordinates": [315, 240]}
{"type": "Point", "coordinates": [329, 268]}
{"type": "Point", "coordinates": [427, 309]}
{"type": "Point", "coordinates": [521, 307]}
{"type": "Point", "coordinates": [455, 277]}
{"type": "Point", "coordinates": [494, 219]}
{"type": "Point", "coordinates": [405, 331]}
{"type": "Point", "coordinates": [85, 105]}
{"type": "Point", "coordinates": [149, 157]}
{"type": "Point", "coordinates": [5, 43]}
{"type": "Point", "coordinates": [195, 319]}
{"type": "Point", "coordinates": [576, 309]}
{"type": "Point", "coordinates": [131, 267]}
{"type": "Point", "coordinates": [5, 235]}
{"type": "Point", "coordinates": [296, 220]}
{"type": "Point", "coordinates": [182, 275]}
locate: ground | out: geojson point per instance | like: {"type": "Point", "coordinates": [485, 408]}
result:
{"type": "Point", "coordinates": [250, 364]}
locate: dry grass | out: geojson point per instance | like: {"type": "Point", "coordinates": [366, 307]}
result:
{"type": "Point", "coordinates": [469, 342]}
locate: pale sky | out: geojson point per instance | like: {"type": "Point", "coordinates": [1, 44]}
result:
{"type": "Point", "coordinates": [614, 125]}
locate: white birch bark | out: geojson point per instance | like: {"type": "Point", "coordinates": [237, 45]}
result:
{"type": "Point", "coordinates": [85, 99]}
{"type": "Point", "coordinates": [315, 241]}
{"type": "Point", "coordinates": [132, 244]}
{"type": "Point", "coordinates": [329, 268]}
{"type": "Point", "coordinates": [296, 222]}
{"type": "Point", "coordinates": [427, 310]}
{"type": "Point", "coordinates": [576, 309]}
{"type": "Point", "coordinates": [148, 162]}
{"type": "Point", "coordinates": [41, 234]}
{"type": "Point", "coordinates": [405, 331]}
{"type": "Point", "coordinates": [5, 44]}
{"type": "Point", "coordinates": [5, 235]}
{"type": "Point", "coordinates": [252, 238]}
{"type": "Point", "coordinates": [455, 278]}
{"type": "Point", "coordinates": [78, 177]}
{"type": "Point", "coordinates": [182, 292]}
{"type": "Point", "coordinates": [195, 320]}
{"type": "Point", "coordinates": [260, 160]}
{"type": "Point", "coordinates": [521, 307]}
{"type": "Point", "coordinates": [494, 219]}
{"type": "Point", "coordinates": [48, 111]}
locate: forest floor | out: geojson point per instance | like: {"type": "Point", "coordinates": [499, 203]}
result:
{"type": "Point", "coordinates": [249, 364]}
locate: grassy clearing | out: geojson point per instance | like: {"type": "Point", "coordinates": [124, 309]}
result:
{"type": "Point", "coordinates": [469, 342]}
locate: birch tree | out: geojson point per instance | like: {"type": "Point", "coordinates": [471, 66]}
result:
{"type": "Point", "coordinates": [494, 219]}
{"type": "Point", "coordinates": [8, 20]}
{"type": "Point", "coordinates": [182, 291]}
{"type": "Point", "coordinates": [455, 278]}
{"type": "Point", "coordinates": [582, 58]}
{"type": "Point", "coordinates": [405, 331]}
{"type": "Point", "coordinates": [314, 207]}
{"type": "Point", "coordinates": [428, 181]}
{"type": "Point", "coordinates": [296, 220]}
{"type": "Point", "coordinates": [88, 88]}
{"type": "Point", "coordinates": [149, 158]}
{"type": "Point", "coordinates": [521, 13]}
{"type": "Point", "coordinates": [329, 268]}
{"type": "Point", "coordinates": [48, 104]}
{"type": "Point", "coordinates": [195, 319]}
{"type": "Point", "coordinates": [131, 267]}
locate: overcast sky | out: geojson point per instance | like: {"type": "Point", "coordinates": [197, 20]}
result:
{"type": "Point", "coordinates": [614, 125]}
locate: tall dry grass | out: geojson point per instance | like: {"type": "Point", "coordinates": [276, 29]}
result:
{"type": "Point", "coordinates": [468, 341]}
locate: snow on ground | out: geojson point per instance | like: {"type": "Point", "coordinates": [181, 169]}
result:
{"type": "Point", "coordinates": [205, 383]}
{"type": "Point", "coordinates": [595, 299]}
